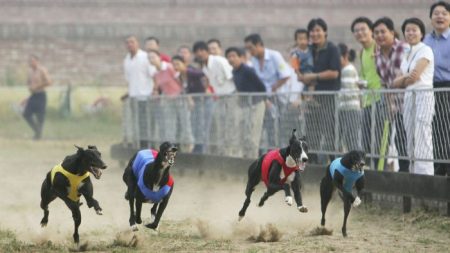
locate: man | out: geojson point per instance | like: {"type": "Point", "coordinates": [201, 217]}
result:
{"type": "Point", "coordinates": [214, 47]}
{"type": "Point", "coordinates": [38, 80]}
{"type": "Point", "coordinates": [363, 32]}
{"type": "Point", "coordinates": [152, 43]}
{"type": "Point", "coordinates": [218, 71]}
{"type": "Point", "coordinates": [439, 41]}
{"type": "Point", "coordinates": [138, 74]}
{"type": "Point", "coordinates": [274, 72]}
{"type": "Point", "coordinates": [185, 53]}
{"type": "Point", "coordinates": [252, 107]}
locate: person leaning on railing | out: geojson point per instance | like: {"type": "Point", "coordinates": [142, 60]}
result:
{"type": "Point", "coordinates": [439, 41]}
{"type": "Point", "coordinates": [371, 84]}
{"type": "Point", "coordinates": [388, 57]}
{"type": "Point", "coordinates": [417, 78]}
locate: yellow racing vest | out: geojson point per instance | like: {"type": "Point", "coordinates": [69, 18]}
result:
{"type": "Point", "coordinates": [74, 181]}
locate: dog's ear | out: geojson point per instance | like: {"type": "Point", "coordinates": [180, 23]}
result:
{"type": "Point", "coordinates": [303, 138]}
{"type": "Point", "coordinates": [293, 137]}
{"type": "Point", "coordinates": [92, 147]}
{"type": "Point", "coordinates": [80, 150]}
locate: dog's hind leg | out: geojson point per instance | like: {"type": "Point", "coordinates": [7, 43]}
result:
{"type": "Point", "coordinates": [153, 211]}
{"type": "Point", "coordinates": [47, 196]}
{"type": "Point", "coordinates": [253, 181]}
{"type": "Point", "coordinates": [138, 211]}
{"type": "Point", "coordinates": [326, 191]}
{"type": "Point", "coordinates": [347, 208]}
{"type": "Point", "coordinates": [266, 195]}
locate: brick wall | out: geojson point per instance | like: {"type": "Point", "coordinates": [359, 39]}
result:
{"type": "Point", "coordinates": [81, 41]}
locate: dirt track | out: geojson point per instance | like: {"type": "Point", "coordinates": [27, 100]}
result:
{"type": "Point", "coordinates": [201, 216]}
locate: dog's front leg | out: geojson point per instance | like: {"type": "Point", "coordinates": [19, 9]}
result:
{"type": "Point", "coordinates": [161, 207]}
{"type": "Point", "coordinates": [76, 215]}
{"type": "Point", "coordinates": [87, 190]}
{"type": "Point", "coordinates": [347, 207]}
{"type": "Point", "coordinates": [296, 186]}
{"type": "Point", "coordinates": [274, 182]}
{"type": "Point", "coordinates": [287, 193]}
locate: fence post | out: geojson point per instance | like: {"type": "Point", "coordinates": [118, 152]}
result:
{"type": "Point", "coordinates": [372, 131]}
{"type": "Point", "coordinates": [336, 121]}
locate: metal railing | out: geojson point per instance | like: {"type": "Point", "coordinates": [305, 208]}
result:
{"type": "Point", "coordinates": [410, 125]}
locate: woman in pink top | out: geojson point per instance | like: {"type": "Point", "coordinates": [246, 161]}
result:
{"type": "Point", "coordinates": [175, 116]}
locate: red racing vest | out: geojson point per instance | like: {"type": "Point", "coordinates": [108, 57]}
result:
{"type": "Point", "coordinates": [274, 155]}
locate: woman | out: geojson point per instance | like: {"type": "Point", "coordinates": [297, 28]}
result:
{"type": "Point", "coordinates": [320, 119]}
{"type": "Point", "coordinates": [417, 78]}
{"type": "Point", "coordinates": [349, 102]}
{"type": "Point", "coordinates": [193, 81]}
{"type": "Point", "coordinates": [175, 118]}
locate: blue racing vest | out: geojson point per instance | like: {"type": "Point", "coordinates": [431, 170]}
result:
{"type": "Point", "coordinates": [350, 176]}
{"type": "Point", "coordinates": [143, 158]}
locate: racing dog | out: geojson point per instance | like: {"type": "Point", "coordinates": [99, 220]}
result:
{"type": "Point", "coordinates": [343, 173]}
{"type": "Point", "coordinates": [69, 180]}
{"type": "Point", "coordinates": [148, 179]}
{"type": "Point", "coordinates": [277, 168]}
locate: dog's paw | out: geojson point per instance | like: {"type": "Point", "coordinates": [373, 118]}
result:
{"type": "Point", "coordinates": [138, 220]}
{"type": "Point", "coordinates": [99, 211]}
{"type": "Point", "coordinates": [357, 202]}
{"type": "Point", "coordinates": [127, 196]}
{"type": "Point", "coordinates": [134, 228]}
{"type": "Point", "coordinates": [302, 209]}
{"type": "Point", "coordinates": [152, 226]}
{"type": "Point", "coordinates": [288, 200]}
{"type": "Point", "coordinates": [240, 218]}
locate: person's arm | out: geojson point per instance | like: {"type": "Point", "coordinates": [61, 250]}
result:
{"type": "Point", "coordinates": [333, 69]}
{"type": "Point", "coordinates": [283, 71]}
{"type": "Point", "coordinates": [258, 84]}
{"type": "Point", "coordinates": [408, 79]}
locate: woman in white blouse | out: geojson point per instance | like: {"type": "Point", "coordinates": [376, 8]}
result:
{"type": "Point", "coordinates": [417, 78]}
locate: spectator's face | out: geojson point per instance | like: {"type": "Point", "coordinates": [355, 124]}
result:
{"type": "Point", "coordinates": [185, 53]}
{"type": "Point", "coordinates": [33, 62]}
{"type": "Point", "coordinates": [151, 45]}
{"type": "Point", "coordinates": [302, 40]}
{"type": "Point", "coordinates": [234, 59]}
{"type": "Point", "coordinates": [383, 36]}
{"type": "Point", "coordinates": [154, 59]}
{"type": "Point", "coordinates": [317, 35]}
{"type": "Point", "coordinates": [178, 65]}
{"type": "Point", "coordinates": [413, 35]}
{"type": "Point", "coordinates": [362, 32]}
{"type": "Point", "coordinates": [255, 50]}
{"type": "Point", "coordinates": [202, 55]}
{"type": "Point", "coordinates": [132, 45]}
{"type": "Point", "coordinates": [440, 18]}
{"type": "Point", "coordinates": [214, 48]}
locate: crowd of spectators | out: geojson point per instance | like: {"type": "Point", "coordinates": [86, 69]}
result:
{"type": "Point", "coordinates": [418, 62]}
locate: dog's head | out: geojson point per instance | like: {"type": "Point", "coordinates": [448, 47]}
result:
{"type": "Point", "coordinates": [297, 150]}
{"type": "Point", "coordinates": [354, 160]}
{"type": "Point", "coordinates": [91, 160]}
{"type": "Point", "coordinates": [169, 152]}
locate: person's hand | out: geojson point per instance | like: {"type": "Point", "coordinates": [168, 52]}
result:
{"type": "Point", "coordinates": [357, 202]}
{"type": "Point", "coordinates": [268, 104]}
{"type": "Point", "coordinates": [275, 87]}
{"type": "Point", "coordinates": [288, 200]}
{"type": "Point", "coordinates": [309, 78]}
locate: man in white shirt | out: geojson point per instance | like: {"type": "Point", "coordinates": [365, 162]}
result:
{"type": "Point", "coordinates": [222, 140]}
{"type": "Point", "coordinates": [138, 74]}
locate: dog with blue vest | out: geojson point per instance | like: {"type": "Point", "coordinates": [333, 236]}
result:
{"type": "Point", "coordinates": [71, 179]}
{"type": "Point", "coordinates": [148, 180]}
{"type": "Point", "coordinates": [279, 169]}
{"type": "Point", "coordinates": [344, 173]}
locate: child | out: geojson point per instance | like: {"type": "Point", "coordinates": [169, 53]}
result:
{"type": "Point", "coordinates": [349, 102]}
{"type": "Point", "coordinates": [301, 55]}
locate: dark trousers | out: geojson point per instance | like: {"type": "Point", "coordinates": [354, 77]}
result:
{"type": "Point", "coordinates": [379, 117]}
{"type": "Point", "coordinates": [441, 129]}
{"type": "Point", "coordinates": [34, 112]}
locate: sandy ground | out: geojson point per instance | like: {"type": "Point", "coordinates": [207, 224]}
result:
{"type": "Point", "coordinates": [201, 215]}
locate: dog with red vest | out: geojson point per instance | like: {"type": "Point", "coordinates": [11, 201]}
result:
{"type": "Point", "coordinates": [148, 180]}
{"type": "Point", "coordinates": [279, 169]}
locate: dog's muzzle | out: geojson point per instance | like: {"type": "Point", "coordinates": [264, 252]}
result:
{"type": "Point", "coordinates": [97, 172]}
{"type": "Point", "coordinates": [171, 158]}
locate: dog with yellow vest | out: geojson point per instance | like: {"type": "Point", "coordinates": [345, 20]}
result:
{"type": "Point", "coordinates": [71, 179]}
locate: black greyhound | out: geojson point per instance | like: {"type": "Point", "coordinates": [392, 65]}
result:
{"type": "Point", "coordinates": [69, 180]}
{"type": "Point", "coordinates": [148, 179]}
{"type": "Point", "coordinates": [278, 168]}
{"type": "Point", "coordinates": [343, 173]}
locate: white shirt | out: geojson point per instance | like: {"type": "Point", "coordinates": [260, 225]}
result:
{"type": "Point", "coordinates": [219, 73]}
{"type": "Point", "coordinates": [409, 62]}
{"type": "Point", "coordinates": [138, 74]}
{"type": "Point", "coordinates": [290, 91]}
